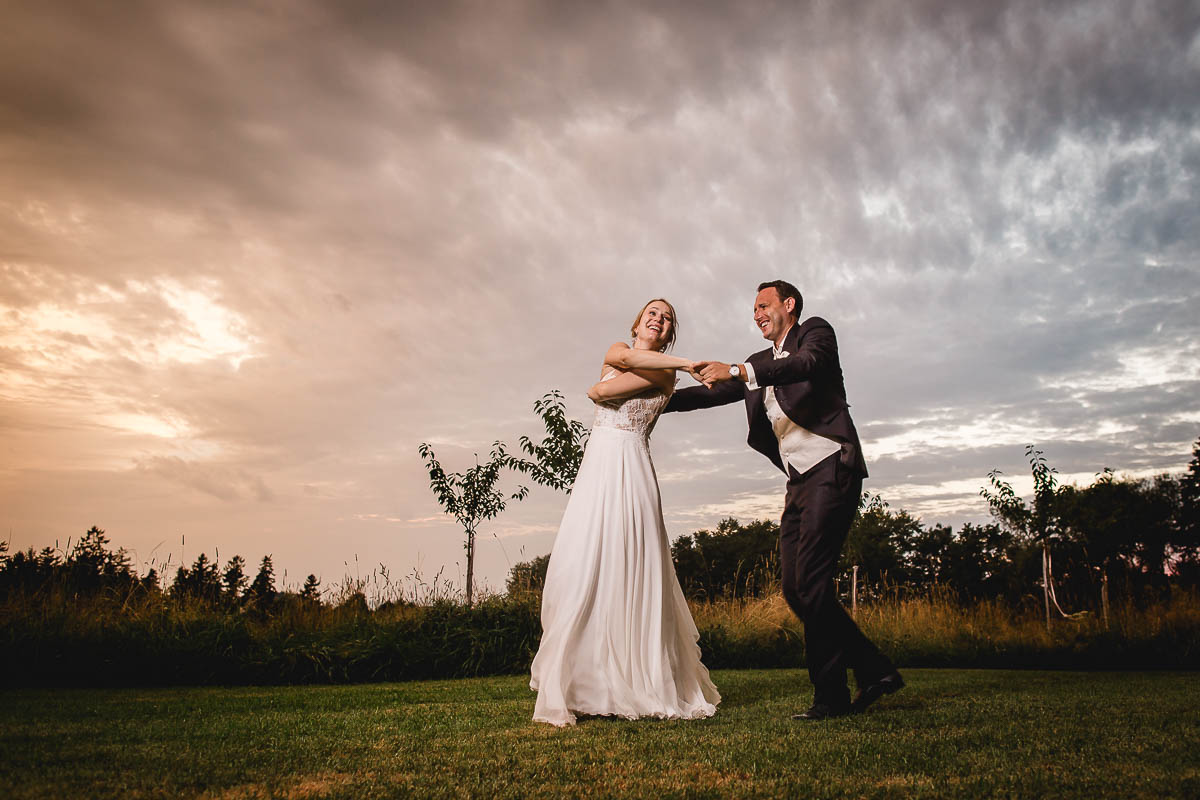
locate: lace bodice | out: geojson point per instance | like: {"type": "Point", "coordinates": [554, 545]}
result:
{"type": "Point", "coordinates": [637, 414]}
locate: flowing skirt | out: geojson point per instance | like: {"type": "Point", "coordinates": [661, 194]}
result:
{"type": "Point", "coordinates": [617, 635]}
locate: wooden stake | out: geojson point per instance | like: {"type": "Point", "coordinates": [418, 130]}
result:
{"type": "Point", "coordinates": [470, 566]}
{"type": "Point", "coordinates": [854, 591]}
{"type": "Point", "coordinates": [1046, 579]}
{"type": "Point", "coordinates": [1104, 597]}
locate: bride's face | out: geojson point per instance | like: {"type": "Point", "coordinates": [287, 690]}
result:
{"type": "Point", "coordinates": [654, 328]}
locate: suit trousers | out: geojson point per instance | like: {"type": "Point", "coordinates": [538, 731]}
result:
{"type": "Point", "coordinates": [817, 515]}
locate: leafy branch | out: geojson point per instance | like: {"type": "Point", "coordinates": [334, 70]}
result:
{"type": "Point", "coordinates": [554, 462]}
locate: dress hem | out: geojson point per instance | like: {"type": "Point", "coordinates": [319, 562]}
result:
{"type": "Point", "coordinates": [703, 712]}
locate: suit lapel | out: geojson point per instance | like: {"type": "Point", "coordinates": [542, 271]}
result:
{"type": "Point", "coordinates": [791, 342]}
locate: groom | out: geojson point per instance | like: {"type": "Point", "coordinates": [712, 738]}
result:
{"type": "Point", "coordinates": [796, 404]}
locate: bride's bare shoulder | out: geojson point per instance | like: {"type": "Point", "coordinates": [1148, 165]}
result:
{"type": "Point", "coordinates": [607, 366]}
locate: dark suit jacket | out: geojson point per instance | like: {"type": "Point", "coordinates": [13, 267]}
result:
{"type": "Point", "coordinates": [808, 386]}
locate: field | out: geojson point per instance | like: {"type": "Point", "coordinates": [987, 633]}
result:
{"type": "Point", "coordinates": [951, 733]}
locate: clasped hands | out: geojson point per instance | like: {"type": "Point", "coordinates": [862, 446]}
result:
{"type": "Point", "coordinates": [709, 372]}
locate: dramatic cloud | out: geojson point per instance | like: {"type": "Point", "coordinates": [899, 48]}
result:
{"type": "Point", "coordinates": [252, 255]}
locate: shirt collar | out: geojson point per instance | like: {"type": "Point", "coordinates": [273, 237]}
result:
{"type": "Point", "coordinates": [781, 352]}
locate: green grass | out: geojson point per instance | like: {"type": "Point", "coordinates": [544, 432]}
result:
{"type": "Point", "coordinates": [951, 733]}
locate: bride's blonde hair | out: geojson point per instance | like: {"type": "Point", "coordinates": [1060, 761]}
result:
{"type": "Point", "coordinates": [674, 321]}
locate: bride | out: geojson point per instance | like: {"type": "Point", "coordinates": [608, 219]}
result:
{"type": "Point", "coordinates": [617, 636]}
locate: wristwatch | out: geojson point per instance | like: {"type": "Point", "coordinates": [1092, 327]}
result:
{"type": "Point", "coordinates": [734, 370]}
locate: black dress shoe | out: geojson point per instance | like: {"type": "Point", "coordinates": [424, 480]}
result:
{"type": "Point", "coordinates": [823, 711]}
{"type": "Point", "coordinates": [888, 684]}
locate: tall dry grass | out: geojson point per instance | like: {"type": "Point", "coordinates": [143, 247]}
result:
{"type": "Point", "coordinates": [145, 638]}
{"type": "Point", "coordinates": [933, 628]}
{"type": "Point", "coordinates": [52, 637]}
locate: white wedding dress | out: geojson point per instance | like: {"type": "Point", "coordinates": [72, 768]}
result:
{"type": "Point", "coordinates": [617, 636]}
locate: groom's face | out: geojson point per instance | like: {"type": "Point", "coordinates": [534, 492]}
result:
{"type": "Point", "coordinates": [772, 315]}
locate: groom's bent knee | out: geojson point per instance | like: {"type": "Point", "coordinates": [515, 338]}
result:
{"type": "Point", "coordinates": [803, 600]}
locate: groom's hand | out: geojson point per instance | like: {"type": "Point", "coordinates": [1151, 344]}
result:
{"type": "Point", "coordinates": [712, 372]}
{"type": "Point", "coordinates": [694, 371]}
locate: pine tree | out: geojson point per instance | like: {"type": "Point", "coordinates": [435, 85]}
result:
{"type": "Point", "coordinates": [91, 565]}
{"type": "Point", "coordinates": [262, 589]}
{"type": "Point", "coordinates": [234, 578]}
{"type": "Point", "coordinates": [150, 581]}
{"type": "Point", "coordinates": [201, 582]}
{"type": "Point", "coordinates": [311, 593]}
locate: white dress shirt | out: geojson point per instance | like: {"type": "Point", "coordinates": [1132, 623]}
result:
{"type": "Point", "coordinates": [799, 447]}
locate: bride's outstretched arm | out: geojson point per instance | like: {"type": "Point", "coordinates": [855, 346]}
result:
{"type": "Point", "coordinates": [640, 370]}
{"type": "Point", "coordinates": [622, 356]}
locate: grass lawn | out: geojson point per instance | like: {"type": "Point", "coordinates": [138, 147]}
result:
{"type": "Point", "coordinates": [951, 733]}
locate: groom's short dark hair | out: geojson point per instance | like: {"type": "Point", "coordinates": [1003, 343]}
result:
{"type": "Point", "coordinates": [785, 291]}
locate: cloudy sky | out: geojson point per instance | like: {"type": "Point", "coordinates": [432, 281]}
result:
{"type": "Point", "coordinates": [252, 255]}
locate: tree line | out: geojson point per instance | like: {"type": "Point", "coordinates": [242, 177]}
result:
{"type": "Point", "coordinates": [1075, 543]}
{"type": "Point", "coordinates": [90, 569]}
{"type": "Point", "coordinates": [1131, 536]}
{"type": "Point", "coordinates": [84, 615]}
